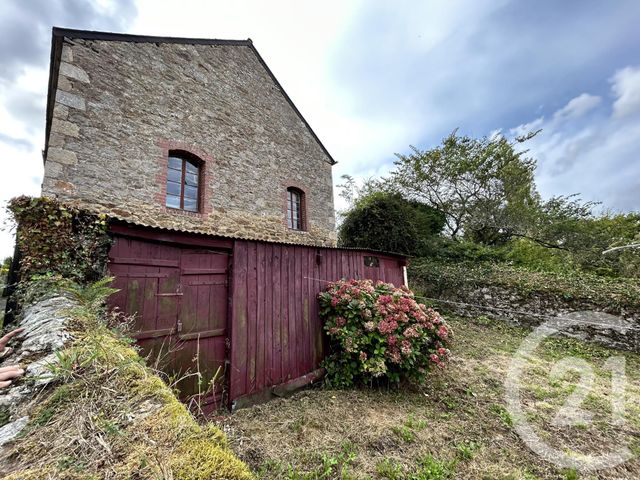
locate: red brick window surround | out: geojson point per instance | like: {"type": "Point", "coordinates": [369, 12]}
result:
{"type": "Point", "coordinates": [202, 159]}
{"type": "Point", "coordinates": [184, 181]}
{"type": "Point", "coordinates": [296, 209]}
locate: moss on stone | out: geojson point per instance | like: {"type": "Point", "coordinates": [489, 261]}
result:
{"type": "Point", "coordinates": [199, 459]}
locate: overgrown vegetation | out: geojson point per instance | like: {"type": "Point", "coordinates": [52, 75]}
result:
{"type": "Point", "coordinates": [485, 192]}
{"type": "Point", "coordinates": [378, 332]}
{"type": "Point", "coordinates": [436, 277]}
{"type": "Point", "coordinates": [4, 266]}
{"type": "Point", "coordinates": [58, 239]}
{"type": "Point", "coordinates": [476, 183]}
{"type": "Point", "coordinates": [108, 415]}
{"type": "Point", "coordinates": [387, 222]}
{"type": "Point", "coordinates": [455, 426]}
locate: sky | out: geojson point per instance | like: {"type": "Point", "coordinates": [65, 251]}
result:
{"type": "Point", "coordinates": [374, 77]}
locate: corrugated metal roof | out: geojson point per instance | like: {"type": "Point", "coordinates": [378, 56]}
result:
{"type": "Point", "coordinates": [256, 239]}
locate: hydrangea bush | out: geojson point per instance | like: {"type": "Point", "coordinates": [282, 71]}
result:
{"type": "Point", "coordinates": [379, 331]}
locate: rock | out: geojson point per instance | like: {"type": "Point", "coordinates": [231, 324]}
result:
{"type": "Point", "coordinates": [40, 372]}
{"type": "Point", "coordinates": [70, 100]}
{"type": "Point", "coordinates": [11, 430]}
{"type": "Point", "coordinates": [44, 324]}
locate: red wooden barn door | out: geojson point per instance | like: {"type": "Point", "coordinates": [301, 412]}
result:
{"type": "Point", "coordinates": [148, 278]}
{"type": "Point", "coordinates": [178, 296]}
{"type": "Point", "coordinates": [202, 323]}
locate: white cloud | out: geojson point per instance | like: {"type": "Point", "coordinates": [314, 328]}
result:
{"type": "Point", "coordinates": [526, 128]}
{"type": "Point", "coordinates": [625, 84]}
{"type": "Point", "coordinates": [20, 157]}
{"type": "Point", "coordinates": [578, 106]}
{"type": "Point", "coordinates": [23, 85]}
{"type": "Point", "coordinates": [596, 157]}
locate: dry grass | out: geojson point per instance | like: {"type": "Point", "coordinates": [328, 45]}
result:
{"type": "Point", "coordinates": [457, 427]}
{"type": "Point", "coordinates": [108, 416]}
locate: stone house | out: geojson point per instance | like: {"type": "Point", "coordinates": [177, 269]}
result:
{"type": "Point", "coordinates": [220, 200]}
{"type": "Point", "coordinates": [120, 105]}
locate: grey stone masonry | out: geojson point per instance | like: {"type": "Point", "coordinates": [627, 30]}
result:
{"type": "Point", "coordinates": [45, 334]}
{"type": "Point", "coordinates": [121, 106]}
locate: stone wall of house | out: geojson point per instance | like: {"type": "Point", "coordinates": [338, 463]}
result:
{"type": "Point", "coordinates": [120, 107]}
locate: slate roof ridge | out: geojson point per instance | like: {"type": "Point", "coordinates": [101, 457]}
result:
{"type": "Point", "coordinates": [127, 37]}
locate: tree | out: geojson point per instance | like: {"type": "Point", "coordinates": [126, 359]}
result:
{"type": "Point", "coordinates": [385, 221]}
{"type": "Point", "coordinates": [478, 184]}
{"type": "Point", "coordinates": [6, 265]}
{"type": "Point", "coordinates": [568, 223]}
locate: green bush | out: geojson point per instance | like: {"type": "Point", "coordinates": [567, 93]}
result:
{"type": "Point", "coordinates": [446, 249]}
{"type": "Point", "coordinates": [525, 253]}
{"type": "Point", "coordinates": [380, 332]}
{"type": "Point", "coordinates": [5, 266]}
{"type": "Point", "coordinates": [54, 238]}
{"type": "Point", "coordinates": [388, 222]}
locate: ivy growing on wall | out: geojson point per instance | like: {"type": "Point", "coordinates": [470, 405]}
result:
{"type": "Point", "coordinates": [58, 239]}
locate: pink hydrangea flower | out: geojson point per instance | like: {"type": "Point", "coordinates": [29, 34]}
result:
{"type": "Point", "coordinates": [385, 299]}
{"type": "Point", "coordinates": [443, 332]}
{"type": "Point", "coordinates": [387, 326]}
{"type": "Point", "coordinates": [411, 332]}
{"type": "Point", "coordinates": [394, 355]}
{"type": "Point", "coordinates": [348, 344]}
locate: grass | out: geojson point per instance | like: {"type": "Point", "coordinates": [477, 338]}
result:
{"type": "Point", "coordinates": [109, 416]}
{"type": "Point", "coordinates": [457, 426]}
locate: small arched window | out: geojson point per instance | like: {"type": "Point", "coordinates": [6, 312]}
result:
{"type": "Point", "coordinates": [295, 209]}
{"type": "Point", "coordinates": [183, 182]}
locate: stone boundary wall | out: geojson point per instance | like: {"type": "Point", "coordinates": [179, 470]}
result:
{"type": "Point", "coordinates": [34, 349]}
{"type": "Point", "coordinates": [615, 327]}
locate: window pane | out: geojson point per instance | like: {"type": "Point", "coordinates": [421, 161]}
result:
{"type": "Point", "coordinates": [174, 175]}
{"type": "Point", "coordinates": [371, 261]}
{"type": "Point", "coordinates": [173, 201]}
{"type": "Point", "coordinates": [294, 209]}
{"type": "Point", "coordinates": [175, 163]}
{"type": "Point", "coordinates": [191, 168]}
{"type": "Point", "coordinates": [190, 192]}
{"type": "Point", "coordinates": [173, 188]}
{"type": "Point", "coordinates": [191, 204]}
{"type": "Point", "coordinates": [191, 179]}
